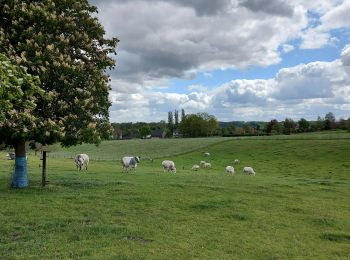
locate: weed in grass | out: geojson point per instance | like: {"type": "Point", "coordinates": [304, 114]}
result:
{"type": "Point", "coordinates": [296, 210]}
{"type": "Point", "coordinates": [237, 216]}
{"type": "Point", "coordinates": [207, 205]}
{"type": "Point", "coordinates": [177, 185]}
{"type": "Point", "coordinates": [327, 222]}
{"type": "Point", "coordinates": [138, 239]}
{"type": "Point", "coordinates": [336, 237]}
{"type": "Point", "coordinates": [328, 190]}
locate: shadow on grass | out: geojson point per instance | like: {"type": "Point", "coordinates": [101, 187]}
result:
{"type": "Point", "coordinates": [336, 237]}
{"type": "Point", "coordinates": [296, 210]}
{"type": "Point", "coordinates": [237, 216]}
{"type": "Point", "coordinates": [139, 239]}
{"type": "Point", "coordinates": [324, 222]}
{"type": "Point", "coordinates": [206, 205]}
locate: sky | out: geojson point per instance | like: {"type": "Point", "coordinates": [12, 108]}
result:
{"type": "Point", "coordinates": [239, 60]}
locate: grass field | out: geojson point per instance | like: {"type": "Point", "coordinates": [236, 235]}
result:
{"type": "Point", "coordinates": [146, 148]}
{"type": "Point", "coordinates": [296, 207]}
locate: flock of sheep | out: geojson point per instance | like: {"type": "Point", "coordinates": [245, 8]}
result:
{"type": "Point", "coordinates": [130, 163]}
{"type": "Point", "coordinates": [170, 166]}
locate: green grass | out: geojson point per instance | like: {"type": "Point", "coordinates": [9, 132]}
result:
{"type": "Point", "coordinates": [146, 148]}
{"type": "Point", "coordinates": [158, 148]}
{"type": "Point", "coordinates": [296, 207]}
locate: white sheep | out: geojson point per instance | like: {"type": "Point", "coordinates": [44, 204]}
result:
{"type": "Point", "coordinates": [195, 167]}
{"type": "Point", "coordinates": [81, 161]}
{"type": "Point", "coordinates": [207, 165]}
{"type": "Point", "coordinates": [249, 170]}
{"type": "Point", "coordinates": [230, 170]}
{"type": "Point", "coordinates": [237, 161]}
{"type": "Point", "coordinates": [202, 163]}
{"type": "Point", "coordinates": [207, 154]}
{"type": "Point", "coordinates": [169, 166]}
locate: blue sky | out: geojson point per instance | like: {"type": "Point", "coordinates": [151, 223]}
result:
{"type": "Point", "coordinates": [235, 59]}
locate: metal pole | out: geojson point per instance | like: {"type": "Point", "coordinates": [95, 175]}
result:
{"type": "Point", "coordinates": [43, 180]}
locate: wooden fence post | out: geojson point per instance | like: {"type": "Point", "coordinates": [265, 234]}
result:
{"type": "Point", "coordinates": [43, 179]}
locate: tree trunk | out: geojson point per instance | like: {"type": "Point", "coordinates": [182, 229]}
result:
{"type": "Point", "coordinates": [19, 177]}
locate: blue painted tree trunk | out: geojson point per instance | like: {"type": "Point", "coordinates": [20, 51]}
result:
{"type": "Point", "coordinates": [19, 177]}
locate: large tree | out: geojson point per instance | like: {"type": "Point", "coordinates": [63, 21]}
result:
{"type": "Point", "coordinates": [198, 125]}
{"type": "Point", "coordinates": [176, 117]}
{"type": "Point", "coordinates": [273, 127]}
{"type": "Point", "coordinates": [170, 121]}
{"type": "Point", "coordinates": [62, 43]}
{"type": "Point", "coordinates": [304, 125]}
{"type": "Point", "coordinates": [289, 126]}
{"type": "Point", "coordinates": [182, 114]}
{"type": "Point", "coordinates": [19, 92]}
{"type": "Point", "coordinates": [329, 121]}
{"type": "Point", "coordinates": [319, 124]}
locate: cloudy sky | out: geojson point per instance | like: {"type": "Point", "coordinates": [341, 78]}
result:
{"type": "Point", "coordinates": [235, 59]}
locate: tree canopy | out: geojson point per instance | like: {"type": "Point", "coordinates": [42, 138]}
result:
{"type": "Point", "coordinates": [304, 125]}
{"type": "Point", "coordinates": [198, 125]}
{"type": "Point", "coordinates": [19, 92]}
{"type": "Point", "coordinates": [289, 126]}
{"type": "Point", "coordinates": [62, 43]}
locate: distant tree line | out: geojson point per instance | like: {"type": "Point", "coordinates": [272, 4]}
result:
{"type": "Point", "coordinates": [289, 126]}
{"type": "Point", "coordinates": [204, 125]}
{"type": "Point", "coordinates": [137, 130]}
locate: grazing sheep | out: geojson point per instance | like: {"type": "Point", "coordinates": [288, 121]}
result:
{"type": "Point", "coordinates": [169, 166]}
{"type": "Point", "coordinates": [11, 156]}
{"type": "Point", "coordinates": [207, 154]}
{"type": "Point", "coordinates": [81, 161]}
{"type": "Point", "coordinates": [230, 170]}
{"type": "Point", "coordinates": [202, 163]}
{"type": "Point", "coordinates": [130, 162]}
{"type": "Point", "coordinates": [195, 167]}
{"type": "Point", "coordinates": [249, 170]}
{"type": "Point", "coordinates": [207, 165]}
{"type": "Point", "coordinates": [237, 161]}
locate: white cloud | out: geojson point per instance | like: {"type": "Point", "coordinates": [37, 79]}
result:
{"type": "Point", "coordinates": [306, 90]}
{"type": "Point", "coordinates": [314, 39]}
{"type": "Point", "coordinates": [313, 80]}
{"type": "Point", "coordinates": [333, 15]}
{"type": "Point", "coordinates": [177, 38]}
{"type": "Point", "coordinates": [207, 75]}
{"type": "Point", "coordinates": [345, 55]}
{"type": "Point", "coordinates": [337, 17]}
{"type": "Point", "coordinates": [200, 88]}
{"type": "Point", "coordinates": [287, 48]}
{"type": "Point", "coordinates": [245, 92]}
{"type": "Point", "coordinates": [320, 6]}
{"type": "Point", "coordinates": [168, 39]}
{"type": "Point", "coordinates": [162, 40]}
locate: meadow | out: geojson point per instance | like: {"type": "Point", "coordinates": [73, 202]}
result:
{"type": "Point", "coordinates": [296, 207]}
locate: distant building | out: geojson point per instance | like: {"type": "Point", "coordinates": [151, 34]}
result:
{"type": "Point", "coordinates": [176, 133]}
{"type": "Point", "coordinates": [158, 133]}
